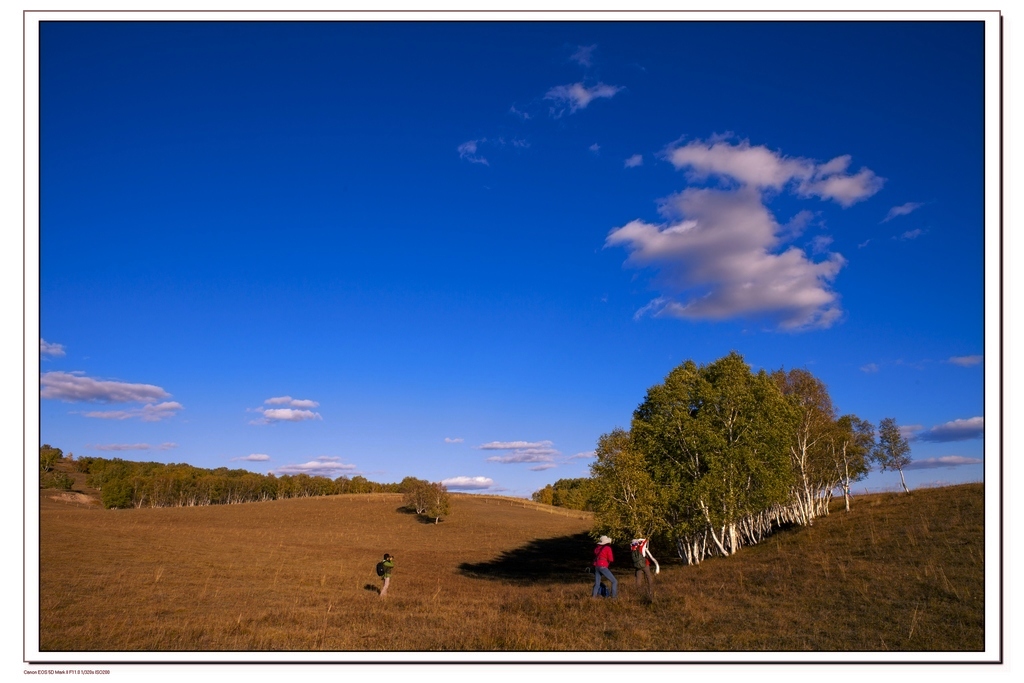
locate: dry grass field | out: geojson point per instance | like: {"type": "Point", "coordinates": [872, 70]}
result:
{"type": "Point", "coordinates": [898, 573]}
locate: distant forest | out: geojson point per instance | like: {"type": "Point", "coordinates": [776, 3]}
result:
{"type": "Point", "coordinates": [130, 484]}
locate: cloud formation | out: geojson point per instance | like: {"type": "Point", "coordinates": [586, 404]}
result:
{"type": "Point", "coordinates": [76, 387]}
{"type": "Point", "coordinates": [584, 455]}
{"type": "Point", "coordinates": [966, 361]}
{"type": "Point", "coordinates": [634, 161]}
{"type": "Point", "coordinates": [720, 253]}
{"type": "Point", "coordinates": [468, 483]}
{"type": "Point", "coordinates": [133, 447]}
{"type": "Point", "coordinates": [48, 349]}
{"type": "Point", "coordinates": [869, 368]}
{"type": "Point", "coordinates": [761, 168]}
{"type": "Point", "coordinates": [719, 256]}
{"type": "Point", "coordinates": [147, 413]}
{"type": "Point", "coordinates": [293, 402]}
{"type": "Point", "coordinates": [298, 410]}
{"type": "Point", "coordinates": [253, 457]}
{"type": "Point", "coordinates": [323, 466]}
{"type": "Point", "coordinates": [957, 430]}
{"type": "Point", "coordinates": [270, 415]}
{"type": "Point", "coordinates": [584, 55]}
{"type": "Point", "coordinates": [521, 451]}
{"type": "Point", "coordinates": [901, 210]}
{"type": "Point", "coordinates": [468, 152]}
{"type": "Point", "coordinates": [942, 461]}
{"type": "Point", "coordinates": [575, 96]}
{"type": "Point", "coordinates": [450, 440]}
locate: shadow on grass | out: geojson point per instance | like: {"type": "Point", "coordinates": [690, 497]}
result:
{"type": "Point", "coordinates": [546, 560]}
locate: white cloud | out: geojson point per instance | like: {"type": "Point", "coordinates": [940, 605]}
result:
{"type": "Point", "coordinates": [75, 386]}
{"type": "Point", "coordinates": [719, 253]}
{"type": "Point", "coordinates": [133, 447]}
{"type": "Point", "coordinates": [270, 415]}
{"type": "Point", "coordinates": [508, 445]}
{"type": "Point", "coordinates": [525, 116]}
{"type": "Point", "coordinates": [595, 148]}
{"type": "Point", "coordinates": [147, 413]}
{"type": "Point", "coordinates": [253, 457]}
{"type": "Point", "coordinates": [910, 432]}
{"type": "Point", "coordinates": [942, 461]}
{"type": "Point", "coordinates": [634, 161]}
{"type": "Point", "coordinates": [870, 367]}
{"type": "Point", "coordinates": [449, 440]}
{"type": "Point", "coordinates": [910, 234]}
{"type": "Point", "coordinates": [468, 483]}
{"type": "Point", "coordinates": [957, 430]}
{"type": "Point", "coordinates": [575, 96]}
{"type": "Point", "coordinates": [583, 455]}
{"type": "Point", "coordinates": [901, 210]}
{"type": "Point", "coordinates": [468, 151]}
{"type": "Point", "coordinates": [293, 402]}
{"type": "Point", "coordinates": [521, 457]}
{"type": "Point", "coordinates": [966, 361]}
{"type": "Point", "coordinates": [522, 452]}
{"type": "Point", "coordinates": [48, 349]}
{"type": "Point", "coordinates": [541, 468]}
{"type": "Point", "coordinates": [796, 225]}
{"type": "Point", "coordinates": [762, 168]}
{"type": "Point", "coordinates": [584, 55]}
{"type": "Point", "coordinates": [324, 466]}
{"type": "Point", "coordinates": [820, 244]}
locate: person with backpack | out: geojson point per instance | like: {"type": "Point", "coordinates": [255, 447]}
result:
{"type": "Point", "coordinates": [384, 568]}
{"type": "Point", "coordinates": [641, 566]}
{"type": "Point", "coordinates": [602, 558]}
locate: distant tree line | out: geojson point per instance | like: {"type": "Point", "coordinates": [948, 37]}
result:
{"type": "Point", "coordinates": [574, 494]}
{"type": "Point", "coordinates": [718, 457]}
{"type": "Point", "coordinates": [131, 484]}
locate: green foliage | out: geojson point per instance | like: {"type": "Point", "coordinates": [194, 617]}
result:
{"type": "Point", "coordinates": [48, 457]}
{"type": "Point", "coordinates": [626, 500]}
{"type": "Point", "coordinates": [893, 450]}
{"type": "Point", "coordinates": [125, 484]}
{"type": "Point", "coordinates": [814, 471]}
{"type": "Point", "coordinates": [850, 443]}
{"type": "Point", "coordinates": [706, 459]}
{"type": "Point", "coordinates": [416, 495]}
{"type": "Point", "coordinates": [438, 502]}
{"type": "Point", "coordinates": [56, 480]}
{"type": "Point", "coordinates": [575, 494]}
{"type": "Point", "coordinates": [545, 495]}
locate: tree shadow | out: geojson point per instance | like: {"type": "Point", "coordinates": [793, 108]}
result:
{"type": "Point", "coordinates": [546, 560]}
{"type": "Point", "coordinates": [371, 587]}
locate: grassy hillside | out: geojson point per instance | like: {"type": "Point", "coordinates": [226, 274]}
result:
{"type": "Point", "coordinates": [898, 573]}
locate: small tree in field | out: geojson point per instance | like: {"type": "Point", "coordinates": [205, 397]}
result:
{"type": "Point", "coordinates": [438, 503]}
{"type": "Point", "coordinates": [417, 494]}
{"type": "Point", "coordinates": [893, 450]}
{"type": "Point", "coordinates": [851, 442]}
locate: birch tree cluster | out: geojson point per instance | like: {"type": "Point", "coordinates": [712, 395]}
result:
{"type": "Point", "coordinates": [718, 457]}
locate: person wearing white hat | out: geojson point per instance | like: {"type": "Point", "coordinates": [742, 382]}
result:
{"type": "Point", "coordinates": [602, 558]}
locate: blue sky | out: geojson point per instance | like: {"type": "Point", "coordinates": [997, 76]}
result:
{"type": "Point", "coordinates": [463, 251]}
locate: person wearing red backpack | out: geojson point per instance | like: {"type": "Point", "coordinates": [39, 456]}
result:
{"type": "Point", "coordinates": [602, 558]}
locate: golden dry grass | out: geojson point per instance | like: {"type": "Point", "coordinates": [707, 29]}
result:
{"type": "Point", "coordinates": [899, 573]}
